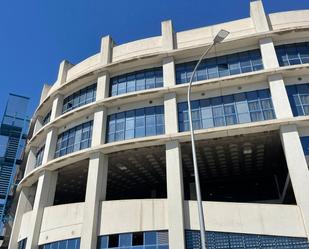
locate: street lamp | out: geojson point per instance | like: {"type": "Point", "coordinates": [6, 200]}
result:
{"type": "Point", "coordinates": [222, 34]}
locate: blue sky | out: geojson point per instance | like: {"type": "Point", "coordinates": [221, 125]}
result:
{"type": "Point", "coordinates": [36, 35]}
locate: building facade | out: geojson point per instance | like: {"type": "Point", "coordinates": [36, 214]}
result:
{"type": "Point", "coordinates": [13, 134]}
{"type": "Point", "coordinates": [110, 163]}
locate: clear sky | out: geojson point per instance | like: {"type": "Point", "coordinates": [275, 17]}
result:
{"type": "Point", "coordinates": [36, 35]}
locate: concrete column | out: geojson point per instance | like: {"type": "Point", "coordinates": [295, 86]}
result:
{"type": "Point", "coordinates": [44, 197]}
{"type": "Point", "coordinates": [169, 76]}
{"type": "Point", "coordinates": [95, 193]}
{"type": "Point", "coordinates": [44, 92]}
{"type": "Point", "coordinates": [99, 126]}
{"type": "Point", "coordinates": [38, 124]}
{"type": "Point", "coordinates": [31, 160]}
{"type": "Point", "coordinates": [167, 34]}
{"type": "Point", "coordinates": [258, 16]}
{"type": "Point", "coordinates": [63, 71]}
{"type": "Point", "coordinates": [298, 169]}
{"type": "Point", "coordinates": [175, 195]}
{"type": "Point", "coordinates": [268, 53]}
{"type": "Point", "coordinates": [24, 205]}
{"type": "Point", "coordinates": [103, 86]}
{"type": "Point", "coordinates": [279, 97]}
{"type": "Point", "coordinates": [56, 107]}
{"type": "Point", "coordinates": [170, 113]}
{"type": "Point", "coordinates": [106, 54]}
{"type": "Point", "coordinates": [50, 145]}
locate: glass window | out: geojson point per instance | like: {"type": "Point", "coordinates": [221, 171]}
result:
{"type": "Point", "coordinates": [227, 110]}
{"type": "Point", "coordinates": [39, 156]}
{"type": "Point", "coordinates": [63, 244]}
{"type": "Point", "coordinates": [74, 139]}
{"type": "Point", "coordinates": [135, 123]}
{"type": "Point", "coordinates": [46, 119]}
{"type": "Point", "coordinates": [113, 240]}
{"type": "Point", "coordinates": [136, 81]}
{"type": "Point", "coordinates": [220, 66]}
{"type": "Point", "coordinates": [138, 239]}
{"type": "Point", "coordinates": [293, 54]}
{"type": "Point", "coordinates": [79, 98]}
{"type": "Point", "coordinates": [299, 99]}
{"type": "Point", "coordinates": [305, 144]}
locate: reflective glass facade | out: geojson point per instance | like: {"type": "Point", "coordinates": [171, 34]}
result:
{"type": "Point", "coordinates": [39, 156]}
{"type": "Point", "coordinates": [80, 98]}
{"type": "Point", "coordinates": [216, 240]}
{"type": "Point", "coordinates": [293, 54]}
{"type": "Point", "coordinates": [136, 123]}
{"type": "Point", "coordinates": [63, 244]}
{"type": "Point", "coordinates": [221, 66]}
{"type": "Point", "coordinates": [299, 99]}
{"type": "Point", "coordinates": [140, 240]}
{"type": "Point", "coordinates": [74, 139]}
{"type": "Point", "coordinates": [136, 81]}
{"type": "Point", "coordinates": [22, 244]}
{"type": "Point", "coordinates": [227, 110]}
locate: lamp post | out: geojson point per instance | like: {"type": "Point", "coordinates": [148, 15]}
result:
{"type": "Point", "coordinates": [222, 34]}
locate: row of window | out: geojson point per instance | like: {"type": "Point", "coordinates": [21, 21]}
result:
{"type": "Point", "coordinates": [293, 54]}
{"type": "Point", "coordinates": [141, 122]}
{"type": "Point", "coordinates": [136, 81]}
{"type": "Point", "coordinates": [227, 110]}
{"type": "Point", "coordinates": [219, 240]}
{"type": "Point", "coordinates": [221, 66]}
{"type": "Point", "coordinates": [63, 244]}
{"type": "Point", "coordinates": [74, 139]}
{"type": "Point", "coordinates": [139, 240]}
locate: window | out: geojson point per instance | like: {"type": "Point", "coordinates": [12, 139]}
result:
{"type": "Point", "coordinates": [220, 66]}
{"type": "Point", "coordinates": [139, 240]}
{"type": "Point", "coordinates": [80, 98]}
{"type": "Point", "coordinates": [136, 81]}
{"type": "Point", "coordinates": [299, 99]}
{"type": "Point", "coordinates": [141, 122]}
{"type": "Point", "coordinates": [22, 244]}
{"type": "Point", "coordinates": [293, 54]}
{"type": "Point", "coordinates": [39, 156]}
{"type": "Point", "coordinates": [3, 145]}
{"type": "Point", "coordinates": [305, 144]}
{"type": "Point", "coordinates": [74, 139]}
{"type": "Point", "coordinates": [63, 244]}
{"type": "Point", "coordinates": [46, 119]}
{"type": "Point", "coordinates": [227, 110]}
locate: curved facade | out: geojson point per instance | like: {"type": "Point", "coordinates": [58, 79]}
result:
{"type": "Point", "coordinates": [109, 160]}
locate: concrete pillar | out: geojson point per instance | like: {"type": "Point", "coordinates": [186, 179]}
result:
{"type": "Point", "coordinates": [99, 126]}
{"type": "Point", "coordinates": [169, 76]}
{"type": "Point", "coordinates": [31, 159]}
{"type": "Point", "coordinates": [24, 205]}
{"type": "Point", "coordinates": [298, 169]}
{"type": "Point", "coordinates": [279, 97]}
{"type": "Point", "coordinates": [44, 197]}
{"type": "Point", "coordinates": [95, 193]}
{"type": "Point", "coordinates": [56, 107]}
{"type": "Point", "coordinates": [103, 86]}
{"type": "Point", "coordinates": [258, 16]}
{"type": "Point", "coordinates": [268, 53]}
{"type": "Point", "coordinates": [63, 71]}
{"type": "Point", "coordinates": [44, 92]}
{"type": "Point", "coordinates": [175, 195]}
{"type": "Point", "coordinates": [50, 145]}
{"type": "Point", "coordinates": [170, 113]}
{"type": "Point", "coordinates": [38, 124]}
{"type": "Point", "coordinates": [106, 53]}
{"type": "Point", "coordinates": [167, 34]}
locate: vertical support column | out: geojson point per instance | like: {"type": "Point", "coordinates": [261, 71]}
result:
{"type": "Point", "coordinates": [258, 16]}
{"type": "Point", "coordinates": [268, 53]}
{"type": "Point", "coordinates": [63, 72]}
{"type": "Point", "coordinates": [169, 77]}
{"type": "Point", "coordinates": [103, 86]}
{"type": "Point", "coordinates": [31, 160]}
{"type": "Point", "coordinates": [24, 205]}
{"type": "Point", "coordinates": [44, 92]}
{"type": "Point", "coordinates": [99, 127]}
{"type": "Point", "coordinates": [298, 169]}
{"type": "Point", "coordinates": [175, 196]}
{"type": "Point", "coordinates": [44, 197]}
{"type": "Point", "coordinates": [95, 193]}
{"type": "Point", "coordinates": [106, 53]}
{"type": "Point", "coordinates": [167, 34]}
{"type": "Point", "coordinates": [50, 145]}
{"type": "Point", "coordinates": [57, 107]}
{"type": "Point", "coordinates": [38, 124]}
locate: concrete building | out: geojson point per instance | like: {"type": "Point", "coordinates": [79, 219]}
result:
{"type": "Point", "coordinates": [110, 163]}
